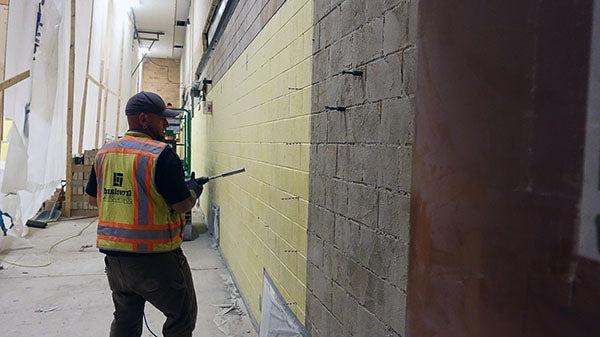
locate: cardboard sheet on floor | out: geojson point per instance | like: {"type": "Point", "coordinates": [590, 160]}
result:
{"type": "Point", "coordinates": [277, 320]}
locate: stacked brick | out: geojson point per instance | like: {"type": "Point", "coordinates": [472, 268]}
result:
{"type": "Point", "coordinates": [54, 202]}
{"type": "Point", "coordinates": [360, 167]}
{"type": "Point", "coordinates": [162, 77]}
{"type": "Point", "coordinates": [81, 174]}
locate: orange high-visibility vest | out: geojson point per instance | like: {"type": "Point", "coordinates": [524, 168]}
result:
{"type": "Point", "coordinates": [133, 216]}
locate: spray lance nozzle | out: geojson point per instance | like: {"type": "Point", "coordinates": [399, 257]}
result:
{"type": "Point", "coordinates": [203, 180]}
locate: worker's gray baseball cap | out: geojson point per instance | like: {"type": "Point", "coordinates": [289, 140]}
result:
{"type": "Point", "coordinates": [148, 102]}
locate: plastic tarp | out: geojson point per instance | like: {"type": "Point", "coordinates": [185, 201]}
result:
{"type": "Point", "coordinates": [33, 168]}
{"type": "Point", "coordinates": [36, 158]}
{"type": "Point", "coordinates": [277, 320]}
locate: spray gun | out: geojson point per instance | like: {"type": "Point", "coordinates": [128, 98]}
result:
{"type": "Point", "coordinates": [203, 180]}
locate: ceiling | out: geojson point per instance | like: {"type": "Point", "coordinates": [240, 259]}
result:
{"type": "Point", "coordinates": [160, 16]}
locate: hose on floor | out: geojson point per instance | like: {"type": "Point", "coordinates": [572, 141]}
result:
{"type": "Point", "coordinates": [148, 327]}
{"type": "Point", "coordinates": [50, 249]}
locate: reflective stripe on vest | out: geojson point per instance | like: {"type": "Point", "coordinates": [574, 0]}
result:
{"type": "Point", "coordinates": [133, 217]}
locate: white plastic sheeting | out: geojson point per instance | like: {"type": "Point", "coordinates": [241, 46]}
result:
{"type": "Point", "coordinates": [277, 320]}
{"type": "Point", "coordinates": [36, 159]}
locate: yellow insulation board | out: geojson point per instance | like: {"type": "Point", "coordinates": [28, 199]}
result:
{"type": "Point", "coordinates": [261, 121]}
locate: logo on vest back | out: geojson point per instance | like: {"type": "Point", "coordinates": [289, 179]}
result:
{"type": "Point", "coordinates": [117, 179]}
{"type": "Point", "coordinates": [115, 194]}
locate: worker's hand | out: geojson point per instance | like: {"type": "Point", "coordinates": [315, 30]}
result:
{"type": "Point", "coordinates": [193, 186]}
{"type": "Point", "coordinates": [202, 180]}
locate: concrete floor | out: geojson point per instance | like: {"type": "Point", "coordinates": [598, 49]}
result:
{"type": "Point", "coordinates": [71, 296]}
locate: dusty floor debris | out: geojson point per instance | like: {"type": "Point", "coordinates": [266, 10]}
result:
{"type": "Point", "coordinates": [71, 296]}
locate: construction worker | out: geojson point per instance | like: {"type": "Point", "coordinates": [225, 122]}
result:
{"type": "Point", "coordinates": [138, 185]}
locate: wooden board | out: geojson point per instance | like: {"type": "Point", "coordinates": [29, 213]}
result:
{"type": "Point", "coordinates": [70, 88]}
{"type": "Point", "coordinates": [14, 80]}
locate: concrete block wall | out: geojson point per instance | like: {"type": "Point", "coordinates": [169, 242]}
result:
{"type": "Point", "coordinates": [360, 167]}
{"type": "Point", "coordinates": [248, 19]}
{"type": "Point", "coordinates": [261, 121]}
{"type": "Point", "coordinates": [162, 77]}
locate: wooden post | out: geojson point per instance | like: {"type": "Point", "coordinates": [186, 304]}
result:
{"type": "Point", "coordinates": [14, 80]}
{"type": "Point", "coordinates": [107, 50]}
{"type": "Point", "coordinates": [85, 87]}
{"type": "Point", "coordinates": [70, 87]}
{"type": "Point", "coordinates": [99, 106]}
{"type": "Point", "coordinates": [3, 64]}
{"type": "Point", "coordinates": [119, 93]}
{"type": "Point", "coordinates": [104, 104]}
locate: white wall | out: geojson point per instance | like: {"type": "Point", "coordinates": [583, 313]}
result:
{"type": "Point", "coordinates": [193, 48]}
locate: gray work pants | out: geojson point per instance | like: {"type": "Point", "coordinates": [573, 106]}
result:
{"type": "Point", "coordinates": [164, 280]}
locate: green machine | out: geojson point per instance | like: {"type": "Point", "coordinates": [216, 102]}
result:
{"type": "Point", "coordinates": [179, 136]}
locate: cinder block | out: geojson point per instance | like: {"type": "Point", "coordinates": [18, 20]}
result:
{"type": "Point", "coordinates": [314, 313]}
{"type": "Point", "coordinates": [409, 71]}
{"type": "Point", "coordinates": [369, 324]}
{"type": "Point", "coordinates": [330, 160]}
{"type": "Point", "coordinates": [350, 315]}
{"type": "Point", "coordinates": [337, 195]}
{"type": "Point", "coordinates": [368, 41]}
{"type": "Point", "coordinates": [317, 105]}
{"type": "Point", "coordinates": [363, 204]}
{"type": "Point", "coordinates": [389, 167]}
{"type": "Point", "coordinates": [317, 163]}
{"type": "Point", "coordinates": [396, 29]}
{"type": "Point", "coordinates": [340, 263]}
{"type": "Point", "coordinates": [394, 214]}
{"type": "Point", "coordinates": [398, 263]}
{"type": "Point", "coordinates": [373, 299]}
{"type": "Point", "coordinates": [376, 8]}
{"type": "Point", "coordinates": [327, 258]}
{"type": "Point", "coordinates": [397, 121]}
{"type": "Point", "coordinates": [384, 79]}
{"type": "Point", "coordinates": [341, 171]}
{"type": "Point", "coordinates": [315, 254]}
{"type": "Point", "coordinates": [330, 27]}
{"type": "Point", "coordinates": [317, 190]}
{"type": "Point", "coordinates": [412, 21]}
{"type": "Point", "coordinates": [336, 127]}
{"type": "Point", "coordinates": [342, 234]}
{"type": "Point", "coordinates": [319, 128]}
{"type": "Point", "coordinates": [334, 326]}
{"type": "Point", "coordinates": [346, 57]}
{"type": "Point", "coordinates": [358, 277]}
{"type": "Point", "coordinates": [339, 301]}
{"type": "Point", "coordinates": [331, 92]}
{"type": "Point", "coordinates": [352, 14]}
{"type": "Point", "coordinates": [367, 254]}
{"type": "Point", "coordinates": [405, 157]}
{"type": "Point", "coordinates": [320, 285]}
{"type": "Point", "coordinates": [321, 8]}
{"type": "Point", "coordinates": [321, 222]}
{"type": "Point", "coordinates": [364, 123]}
{"type": "Point", "coordinates": [364, 164]}
{"type": "Point", "coordinates": [394, 313]}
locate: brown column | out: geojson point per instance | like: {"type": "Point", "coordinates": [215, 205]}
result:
{"type": "Point", "coordinates": [497, 171]}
